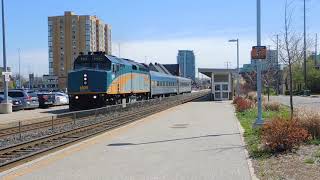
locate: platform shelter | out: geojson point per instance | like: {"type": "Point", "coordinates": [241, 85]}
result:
{"type": "Point", "coordinates": [222, 87]}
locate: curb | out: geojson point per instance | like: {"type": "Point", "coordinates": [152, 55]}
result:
{"type": "Point", "coordinates": [249, 162]}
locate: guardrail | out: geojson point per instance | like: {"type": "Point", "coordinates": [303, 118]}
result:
{"type": "Point", "coordinates": [66, 121]}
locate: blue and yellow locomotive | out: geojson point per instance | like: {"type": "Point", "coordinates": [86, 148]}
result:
{"type": "Point", "coordinates": [98, 80]}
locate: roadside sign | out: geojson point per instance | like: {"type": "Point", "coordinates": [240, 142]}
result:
{"type": "Point", "coordinates": [7, 76]}
{"type": "Point", "coordinates": [259, 52]}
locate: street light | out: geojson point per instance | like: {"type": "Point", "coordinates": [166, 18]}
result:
{"type": "Point", "coordinates": [238, 70]}
{"type": "Point", "coordinates": [259, 120]}
{"type": "Point", "coordinates": [5, 107]}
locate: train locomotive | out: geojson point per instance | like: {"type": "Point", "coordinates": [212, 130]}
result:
{"type": "Point", "coordinates": [98, 80]}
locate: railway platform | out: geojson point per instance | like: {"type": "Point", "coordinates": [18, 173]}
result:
{"type": "Point", "coordinates": [196, 140]}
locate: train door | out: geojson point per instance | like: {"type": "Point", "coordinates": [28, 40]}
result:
{"type": "Point", "coordinates": [121, 79]}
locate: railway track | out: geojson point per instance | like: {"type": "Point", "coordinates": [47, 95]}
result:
{"type": "Point", "coordinates": [12, 155]}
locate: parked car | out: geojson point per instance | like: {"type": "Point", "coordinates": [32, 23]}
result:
{"type": "Point", "coordinates": [28, 98]}
{"type": "Point", "coordinates": [61, 98]}
{"type": "Point", "coordinates": [16, 103]}
{"type": "Point", "coordinates": [46, 99]}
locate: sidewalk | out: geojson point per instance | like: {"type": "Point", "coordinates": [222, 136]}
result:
{"type": "Point", "coordinates": [197, 140]}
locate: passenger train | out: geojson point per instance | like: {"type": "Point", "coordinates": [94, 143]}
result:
{"type": "Point", "coordinates": [98, 80]}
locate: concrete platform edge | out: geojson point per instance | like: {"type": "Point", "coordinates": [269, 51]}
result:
{"type": "Point", "coordinates": [249, 162]}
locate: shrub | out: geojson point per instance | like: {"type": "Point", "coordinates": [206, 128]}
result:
{"type": "Point", "coordinates": [236, 99]}
{"type": "Point", "coordinates": [271, 106]}
{"type": "Point", "coordinates": [310, 120]}
{"type": "Point", "coordinates": [281, 134]}
{"type": "Point", "coordinates": [244, 104]}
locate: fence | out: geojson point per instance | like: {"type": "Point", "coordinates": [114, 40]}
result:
{"type": "Point", "coordinates": [65, 121]}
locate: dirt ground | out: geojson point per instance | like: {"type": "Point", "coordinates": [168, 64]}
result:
{"type": "Point", "coordinates": [303, 164]}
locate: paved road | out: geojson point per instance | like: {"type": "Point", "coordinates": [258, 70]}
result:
{"type": "Point", "coordinates": [198, 140]}
{"type": "Point", "coordinates": [311, 102]}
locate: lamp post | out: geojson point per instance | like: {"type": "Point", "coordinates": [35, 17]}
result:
{"type": "Point", "coordinates": [19, 69]}
{"type": "Point", "coordinates": [238, 70]}
{"type": "Point", "coordinates": [259, 120]}
{"type": "Point", "coordinates": [5, 107]}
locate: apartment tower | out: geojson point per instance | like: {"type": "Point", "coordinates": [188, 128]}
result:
{"type": "Point", "coordinates": [71, 34]}
{"type": "Point", "coordinates": [186, 61]}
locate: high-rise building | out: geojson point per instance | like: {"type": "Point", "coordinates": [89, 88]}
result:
{"type": "Point", "coordinates": [186, 61]}
{"type": "Point", "coordinates": [71, 34]}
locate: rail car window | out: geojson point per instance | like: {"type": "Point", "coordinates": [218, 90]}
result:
{"type": "Point", "coordinates": [134, 67]}
{"type": "Point", "coordinates": [92, 65]}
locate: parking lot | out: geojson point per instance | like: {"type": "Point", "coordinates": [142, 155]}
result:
{"type": "Point", "coordinates": [31, 114]}
{"type": "Point", "coordinates": [310, 102]}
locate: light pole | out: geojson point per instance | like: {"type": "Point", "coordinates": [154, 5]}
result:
{"type": "Point", "coordinates": [259, 120]}
{"type": "Point", "coordinates": [5, 107]}
{"type": "Point", "coordinates": [19, 68]}
{"type": "Point", "coordinates": [238, 69]}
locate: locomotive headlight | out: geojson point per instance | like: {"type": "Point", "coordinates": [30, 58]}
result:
{"type": "Point", "coordinates": [85, 75]}
{"type": "Point", "coordinates": [94, 97]}
{"type": "Point", "coordinates": [77, 97]}
{"type": "Point", "coordinates": [85, 79]}
{"type": "Point", "coordinates": [85, 83]}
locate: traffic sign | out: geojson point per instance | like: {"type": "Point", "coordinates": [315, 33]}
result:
{"type": "Point", "coordinates": [259, 52]}
{"type": "Point", "coordinates": [7, 76]}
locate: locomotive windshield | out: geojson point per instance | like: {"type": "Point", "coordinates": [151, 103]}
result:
{"type": "Point", "coordinates": [92, 62]}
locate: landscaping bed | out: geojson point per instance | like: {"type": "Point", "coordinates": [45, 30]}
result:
{"type": "Point", "coordinates": [283, 148]}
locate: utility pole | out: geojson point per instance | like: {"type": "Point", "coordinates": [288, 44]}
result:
{"type": "Point", "coordinates": [5, 107]}
{"type": "Point", "coordinates": [316, 51]}
{"type": "Point", "coordinates": [19, 68]}
{"type": "Point", "coordinates": [227, 64]}
{"type": "Point", "coordinates": [259, 120]}
{"type": "Point", "coordinates": [304, 45]}
{"type": "Point", "coordinates": [278, 67]}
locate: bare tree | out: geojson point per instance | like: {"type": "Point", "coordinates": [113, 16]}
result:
{"type": "Point", "coordinates": [290, 47]}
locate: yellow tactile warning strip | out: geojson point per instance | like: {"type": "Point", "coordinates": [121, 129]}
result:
{"type": "Point", "coordinates": [51, 158]}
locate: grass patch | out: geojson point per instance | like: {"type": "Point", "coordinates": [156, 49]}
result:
{"type": "Point", "coordinates": [317, 154]}
{"type": "Point", "coordinates": [309, 161]}
{"type": "Point", "coordinates": [314, 142]}
{"type": "Point", "coordinates": [252, 135]}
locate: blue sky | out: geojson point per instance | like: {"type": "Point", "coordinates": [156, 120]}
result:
{"type": "Point", "coordinates": [150, 30]}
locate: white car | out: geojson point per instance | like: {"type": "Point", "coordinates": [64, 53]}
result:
{"type": "Point", "coordinates": [61, 99]}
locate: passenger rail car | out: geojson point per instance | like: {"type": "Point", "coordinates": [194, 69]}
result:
{"type": "Point", "coordinates": [184, 85]}
{"type": "Point", "coordinates": [163, 84]}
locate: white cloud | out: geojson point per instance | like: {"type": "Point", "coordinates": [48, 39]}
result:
{"type": "Point", "coordinates": [210, 52]}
